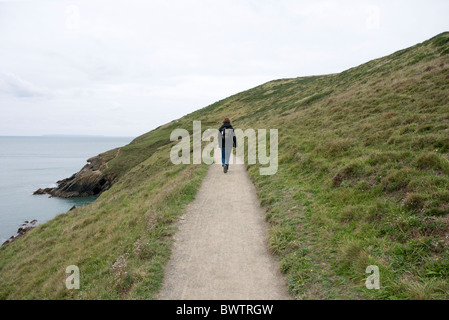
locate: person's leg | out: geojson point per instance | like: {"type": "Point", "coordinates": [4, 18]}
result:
{"type": "Point", "coordinates": [223, 157]}
{"type": "Point", "coordinates": [223, 160]}
{"type": "Point", "coordinates": [228, 156]}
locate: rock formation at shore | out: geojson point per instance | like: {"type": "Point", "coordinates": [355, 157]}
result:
{"type": "Point", "coordinates": [24, 228]}
{"type": "Point", "coordinates": [89, 181]}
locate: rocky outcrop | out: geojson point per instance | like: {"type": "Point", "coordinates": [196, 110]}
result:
{"type": "Point", "coordinates": [89, 181]}
{"type": "Point", "coordinates": [24, 228]}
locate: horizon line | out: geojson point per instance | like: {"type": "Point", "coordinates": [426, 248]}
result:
{"type": "Point", "coordinates": [69, 135]}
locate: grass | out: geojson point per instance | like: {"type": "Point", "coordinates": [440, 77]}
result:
{"type": "Point", "coordinates": [363, 180]}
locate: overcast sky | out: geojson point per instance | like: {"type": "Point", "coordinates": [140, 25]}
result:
{"type": "Point", "coordinates": [122, 68]}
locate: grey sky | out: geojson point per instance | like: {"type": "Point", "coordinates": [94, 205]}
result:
{"type": "Point", "coordinates": [122, 68]}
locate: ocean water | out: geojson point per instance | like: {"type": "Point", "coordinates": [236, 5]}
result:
{"type": "Point", "coordinates": [30, 163]}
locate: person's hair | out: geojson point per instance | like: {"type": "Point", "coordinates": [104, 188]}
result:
{"type": "Point", "coordinates": [226, 120]}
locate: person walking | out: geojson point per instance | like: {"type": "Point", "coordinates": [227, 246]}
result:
{"type": "Point", "coordinates": [226, 140]}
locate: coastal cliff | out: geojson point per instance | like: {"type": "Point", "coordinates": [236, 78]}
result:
{"type": "Point", "coordinates": [105, 169]}
{"type": "Point", "coordinates": [90, 180]}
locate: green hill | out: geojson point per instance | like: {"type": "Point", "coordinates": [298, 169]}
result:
{"type": "Point", "coordinates": [363, 180]}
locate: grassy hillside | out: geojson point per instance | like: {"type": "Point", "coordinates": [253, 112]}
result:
{"type": "Point", "coordinates": [363, 180]}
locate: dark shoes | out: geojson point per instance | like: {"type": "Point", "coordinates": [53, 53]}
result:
{"type": "Point", "coordinates": [225, 168]}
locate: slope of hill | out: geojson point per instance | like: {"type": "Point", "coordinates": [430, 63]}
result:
{"type": "Point", "coordinates": [363, 180]}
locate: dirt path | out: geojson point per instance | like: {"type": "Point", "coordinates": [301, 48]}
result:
{"type": "Point", "coordinates": [220, 251]}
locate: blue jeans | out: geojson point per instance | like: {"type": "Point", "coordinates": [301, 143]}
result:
{"type": "Point", "coordinates": [225, 155]}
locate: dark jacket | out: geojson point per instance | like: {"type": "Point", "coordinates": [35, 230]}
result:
{"type": "Point", "coordinates": [222, 137]}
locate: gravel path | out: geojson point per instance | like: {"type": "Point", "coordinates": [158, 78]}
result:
{"type": "Point", "coordinates": [220, 250]}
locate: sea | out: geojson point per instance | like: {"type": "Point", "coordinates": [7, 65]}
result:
{"type": "Point", "coordinates": [30, 163]}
